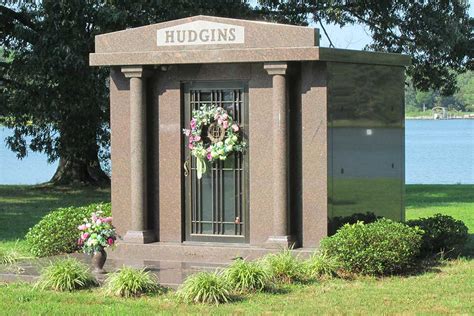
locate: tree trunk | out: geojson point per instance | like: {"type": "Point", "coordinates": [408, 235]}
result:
{"type": "Point", "coordinates": [85, 170]}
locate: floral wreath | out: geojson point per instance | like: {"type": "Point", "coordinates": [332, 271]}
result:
{"type": "Point", "coordinates": [213, 135]}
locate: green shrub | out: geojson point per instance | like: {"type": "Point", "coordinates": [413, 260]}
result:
{"type": "Point", "coordinates": [246, 276]}
{"type": "Point", "coordinates": [57, 232]}
{"type": "Point", "coordinates": [338, 221]}
{"type": "Point", "coordinates": [284, 267]}
{"type": "Point", "coordinates": [205, 287]}
{"type": "Point", "coordinates": [321, 265]}
{"type": "Point", "coordinates": [66, 275]}
{"type": "Point", "coordinates": [380, 248]}
{"type": "Point", "coordinates": [442, 233]}
{"type": "Point", "coordinates": [130, 282]}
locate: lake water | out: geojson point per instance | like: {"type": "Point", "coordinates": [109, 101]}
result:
{"type": "Point", "coordinates": [436, 152]}
{"type": "Point", "coordinates": [439, 151]}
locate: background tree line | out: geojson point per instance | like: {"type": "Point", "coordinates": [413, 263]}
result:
{"type": "Point", "coordinates": [461, 100]}
{"type": "Point", "coordinates": [56, 104]}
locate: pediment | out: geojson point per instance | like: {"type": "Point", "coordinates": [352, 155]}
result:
{"type": "Point", "coordinates": [206, 32]}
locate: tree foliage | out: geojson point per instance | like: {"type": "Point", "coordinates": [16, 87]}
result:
{"type": "Point", "coordinates": [53, 100]}
{"type": "Point", "coordinates": [462, 100]}
{"type": "Point", "coordinates": [55, 103]}
{"type": "Point", "coordinates": [438, 35]}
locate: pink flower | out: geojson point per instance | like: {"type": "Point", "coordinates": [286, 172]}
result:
{"type": "Point", "coordinates": [193, 124]}
{"type": "Point", "coordinates": [209, 149]}
{"type": "Point", "coordinates": [80, 242]}
{"type": "Point", "coordinates": [85, 236]}
{"type": "Point", "coordinates": [94, 217]}
{"type": "Point", "coordinates": [82, 227]}
{"type": "Point", "coordinates": [225, 124]}
{"type": "Point", "coordinates": [209, 156]}
{"type": "Point", "coordinates": [197, 138]}
{"type": "Point", "coordinates": [235, 127]}
{"type": "Point", "coordinates": [98, 221]}
{"type": "Point", "coordinates": [110, 241]}
{"type": "Point", "coordinates": [191, 139]}
{"type": "Point", "coordinates": [190, 146]}
{"type": "Point", "coordinates": [107, 219]}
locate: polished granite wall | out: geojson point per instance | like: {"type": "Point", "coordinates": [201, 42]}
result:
{"type": "Point", "coordinates": [366, 140]}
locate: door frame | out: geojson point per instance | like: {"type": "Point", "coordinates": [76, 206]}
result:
{"type": "Point", "coordinates": [186, 87]}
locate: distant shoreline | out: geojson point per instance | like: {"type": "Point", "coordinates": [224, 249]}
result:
{"type": "Point", "coordinates": [464, 117]}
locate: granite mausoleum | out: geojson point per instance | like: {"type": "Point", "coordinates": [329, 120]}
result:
{"type": "Point", "coordinates": [323, 128]}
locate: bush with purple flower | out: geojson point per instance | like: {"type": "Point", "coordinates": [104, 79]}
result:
{"type": "Point", "coordinates": [97, 233]}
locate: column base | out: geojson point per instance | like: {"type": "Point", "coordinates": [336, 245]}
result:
{"type": "Point", "coordinates": [139, 237]}
{"type": "Point", "coordinates": [279, 242]}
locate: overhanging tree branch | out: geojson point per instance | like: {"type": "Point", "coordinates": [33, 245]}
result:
{"type": "Point", "coordinates": [375, 26]}
{"type": "Point", "coordinates": [21, 17]}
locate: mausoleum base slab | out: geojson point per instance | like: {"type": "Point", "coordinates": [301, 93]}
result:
{"type": "Point", "coordinates": [169, 273]}
{"type": "Point", "coordinates": [199, 252]}
{"type": "Point", "coordinates": [171, 263]}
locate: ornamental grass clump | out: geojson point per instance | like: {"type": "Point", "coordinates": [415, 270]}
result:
{"type": "Point", "coordinates": [284, 267]}
{"type": "Point", "coordinates": [9, 256]}
{"type": "Point", "coordinates": [320, 265]}
{"type": "Point", "coordinates": [247, 276]}
{"type": "Point", "coordinates": [205, 287]}
{"type": "Point", "coordinates": [130, 282]}
{"type": "Point", "coordinates": [380, 248]}
{"type": "Point", "coordinates": [66, 275]}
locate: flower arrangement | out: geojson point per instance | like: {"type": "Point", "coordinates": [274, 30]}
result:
{"type": "Point", "coordinates": [97, 233]}
{"type": "Point", "coordinates": [208, 149]}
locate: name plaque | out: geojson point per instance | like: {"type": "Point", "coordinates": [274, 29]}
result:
{"type": "Point", "coordinates": [201, 33]}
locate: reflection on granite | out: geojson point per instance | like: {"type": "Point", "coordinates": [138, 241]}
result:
{"type": "Point", "coordinates": [366, 140]}
{"type": "Point", "coordinates": [169, 273]}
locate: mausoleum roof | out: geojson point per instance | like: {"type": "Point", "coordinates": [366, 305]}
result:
{"type": "Point", "coordinates": [208, 39]}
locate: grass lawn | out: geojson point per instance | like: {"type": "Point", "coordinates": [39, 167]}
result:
{"type": "Point", "coordinates": [21, 207]}
{"type": "Point", "coordinates": [447, 289]}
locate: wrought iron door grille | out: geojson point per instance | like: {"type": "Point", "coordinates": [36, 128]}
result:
{"type": "Point", "coordinates": [217, 200]}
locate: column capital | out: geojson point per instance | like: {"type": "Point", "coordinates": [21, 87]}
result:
{"type": "Point", "coordinates": [135, 71]}
{"type": "Point", "coordinates": [276, 68]}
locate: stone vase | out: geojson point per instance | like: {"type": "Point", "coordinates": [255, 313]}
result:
{"type": "Point", "coordinates": [98, 261]}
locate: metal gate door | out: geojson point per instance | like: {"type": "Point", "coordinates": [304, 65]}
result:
{"type": "Point", "coordinates": [216, 205]}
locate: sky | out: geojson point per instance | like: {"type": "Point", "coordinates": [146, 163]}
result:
{"type": "Point", "coordinates": [352, 36]}
{"type": "Point", "coordinates": [348, 37]}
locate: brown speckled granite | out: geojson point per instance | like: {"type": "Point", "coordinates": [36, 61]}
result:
{"type": "Point", "coordinates": [120, 149]}
{"type": "Point", "coordinates": [257, 34]}
{"type": "Point", "coordinates": [314, 152]}
{"type": "Point", "coordinates": [248, 55]}
{"type": "Point", "coordinates": [305, 85]}
{"type": "Point", "coordinates": [278, 71]}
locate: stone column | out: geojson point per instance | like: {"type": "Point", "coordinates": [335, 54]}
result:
{"type": "Point", "coordinates": [138, 232]}
{"type": "Point", "coordinates": [280, 235]}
